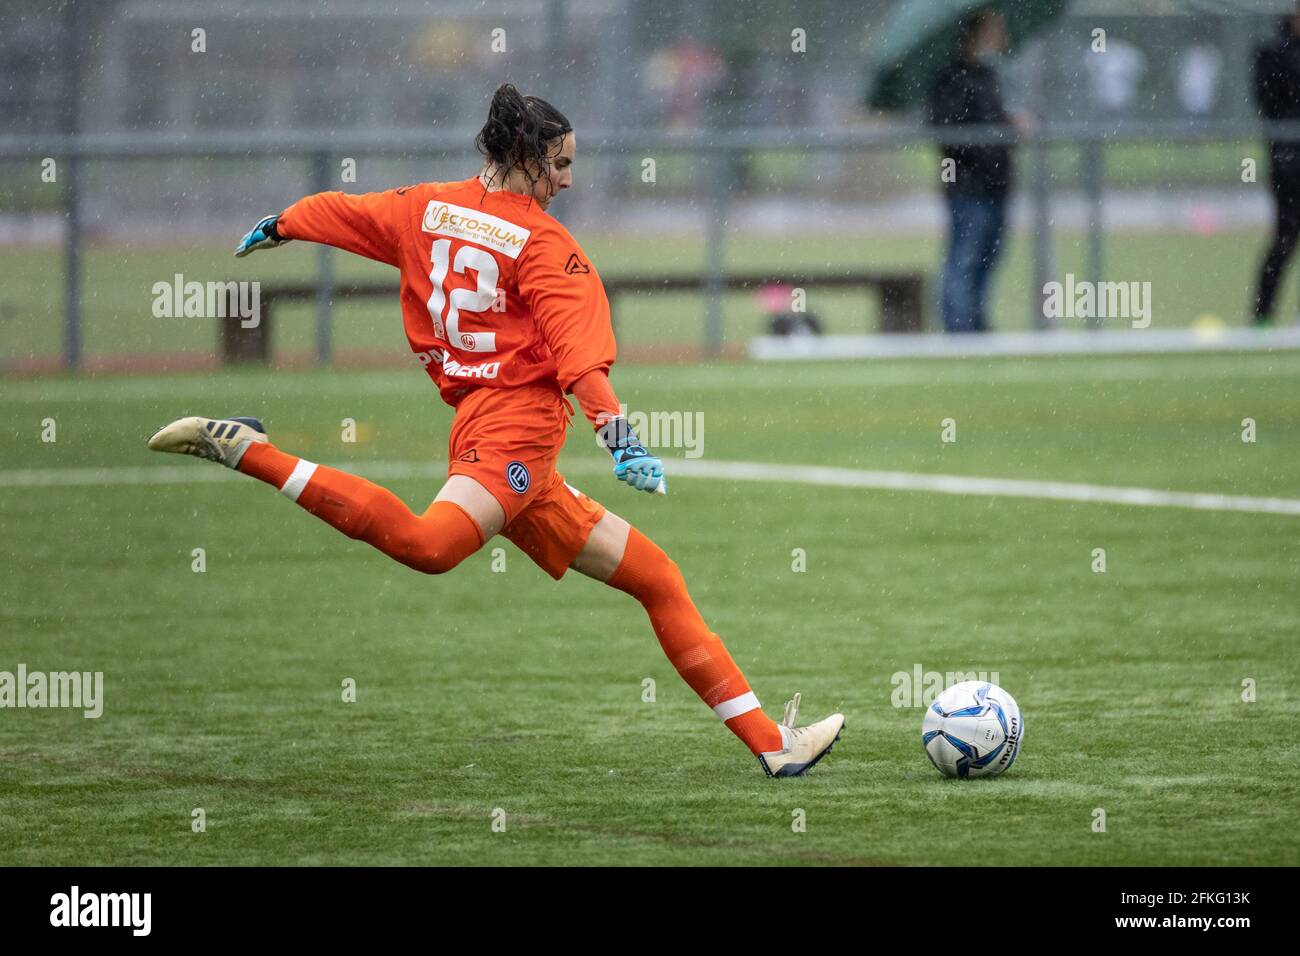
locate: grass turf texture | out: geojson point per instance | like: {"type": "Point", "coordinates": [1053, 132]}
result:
{"type": "Point", "coordinates": [479, 690]}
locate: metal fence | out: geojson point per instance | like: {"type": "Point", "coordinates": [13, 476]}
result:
{"type": "Point", "coordinates": [718, 154]}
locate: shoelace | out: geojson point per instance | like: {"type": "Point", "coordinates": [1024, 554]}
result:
{"type": "Point", "coordinates": [791, 711]}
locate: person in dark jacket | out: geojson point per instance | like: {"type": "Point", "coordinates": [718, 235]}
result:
{"type": "Point", "coordinates": [1277, 91]}
{"type": "Point", "coordinates": [976, 179]}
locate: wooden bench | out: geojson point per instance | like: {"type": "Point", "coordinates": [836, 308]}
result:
{"type": "Point", "coordinates": [902, 294]}
{"type": "Point", "coordinates": [901, 299]}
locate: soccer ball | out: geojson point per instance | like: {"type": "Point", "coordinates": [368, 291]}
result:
{"type": "Point", "coordinates": [973, 729]}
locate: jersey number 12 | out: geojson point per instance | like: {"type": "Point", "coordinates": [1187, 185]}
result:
{"type": "Point", "coordinates": [458, 300]}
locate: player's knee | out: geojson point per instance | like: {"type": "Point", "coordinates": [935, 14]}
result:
{"type": "Point", "coordinates": [428, 554]}
{"type": "Point", "coordinates": [439, 557]}
{"type": "Point", "coordinates": [664, 578]}
{"type": "Point", "coordinates": [447, 535]}
{"type": "Point", "coordinates": [675, 581]}
{"type": "Point", "coordinates": [436, 563]}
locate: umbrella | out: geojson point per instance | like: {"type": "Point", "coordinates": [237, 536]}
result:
{"type": "Point", "coordinates": [920, 38]}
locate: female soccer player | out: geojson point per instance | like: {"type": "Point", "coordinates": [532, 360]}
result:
{"type": "Point", "coordinates": [508, 315]}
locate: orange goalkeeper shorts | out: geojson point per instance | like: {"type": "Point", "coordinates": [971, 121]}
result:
{"type": "Point", "coordinates": [508, 440]}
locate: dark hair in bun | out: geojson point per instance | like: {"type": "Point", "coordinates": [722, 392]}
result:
{"type": "Point", "coordinates": [520, 131]}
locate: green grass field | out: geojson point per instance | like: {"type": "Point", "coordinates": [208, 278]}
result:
{"type": "Point", "coordinates": [481, 690]}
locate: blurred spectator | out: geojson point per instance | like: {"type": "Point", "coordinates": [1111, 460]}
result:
{"type": "Point", "coordinates": [1199, 69]}
{"type": "Point", "coordinates": [1277, 90]}
{"type": "Point", "coordinates": [1115, 76]}
{"type": "Point", "coordinates": [978, 178]}
{"type": "Point", "coordinates": [684, 76]}
{"type": "Point", "coordinates": [776, 300]}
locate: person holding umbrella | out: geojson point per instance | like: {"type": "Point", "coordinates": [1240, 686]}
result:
{"type": "Point", "coordinates": [976, 178]}
{"type": "Point", "coordinates": [1277, 90]}
{"type": "Point", "coordinates": [938, 55]}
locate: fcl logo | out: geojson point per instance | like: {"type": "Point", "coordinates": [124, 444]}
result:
{"type": "Point", "coordinates": [517, 475]}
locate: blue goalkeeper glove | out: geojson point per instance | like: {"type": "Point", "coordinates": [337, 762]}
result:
{"type": "Point", "coordinates": [632, 463]}
{"type": "Point", "coordinates": [261, 236]}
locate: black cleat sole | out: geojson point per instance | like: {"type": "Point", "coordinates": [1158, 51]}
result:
{"type": "Point", "coordinates": [811, 763]}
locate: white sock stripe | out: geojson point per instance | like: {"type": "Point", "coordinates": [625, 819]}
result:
{"type": "Point", "coordinates": [297, 481]}
{"type": "Point", "coordinates": [737, 706]}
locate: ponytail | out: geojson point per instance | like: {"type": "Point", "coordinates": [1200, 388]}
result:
{"type": "Point", "coordinates": [520, 131]}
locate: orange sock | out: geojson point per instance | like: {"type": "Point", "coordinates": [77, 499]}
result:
{"type": "Point", "coordinates": [654, 579]}
{"type": "Point", "coordinates": [434, 542]}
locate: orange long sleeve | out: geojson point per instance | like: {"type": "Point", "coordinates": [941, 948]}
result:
{"type": "Point", "coordinates": [365, 224]}
{"type": "Point", "coordinates": [567, 299]}
{"type": "Point", "coordinates": [596, 396]}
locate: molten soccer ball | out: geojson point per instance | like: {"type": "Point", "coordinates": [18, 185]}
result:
{"type": "Point", "coordinates": [973, 729]}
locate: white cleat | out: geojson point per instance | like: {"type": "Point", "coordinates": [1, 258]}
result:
{"type": "Point", "coordinates": [801, 747]}
{"type": "Point", "coordinates": [216, 439]}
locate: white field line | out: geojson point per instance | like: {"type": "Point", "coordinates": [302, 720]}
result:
{"type": "Point", "coordinates": [969, 485]}
{"type": "Point", "coordinates": [986, 372]}
{"type": "Point", "coordinates": [727, 470]}
{"type": "Point", "coordinates": [1115, 341]}
{"type": "Point", "coordinates": [187, 474]}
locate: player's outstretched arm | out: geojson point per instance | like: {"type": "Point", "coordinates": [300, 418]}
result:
{"type": "Point", "coordinates": [632, 462]}
{"type": "Point", "coordinates": [365, 224]}
{"type": "Point", "coordinates": [262, 236]}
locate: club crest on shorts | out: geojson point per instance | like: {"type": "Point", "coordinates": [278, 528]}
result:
{"type": "Point", "coordinates": [517, 475]}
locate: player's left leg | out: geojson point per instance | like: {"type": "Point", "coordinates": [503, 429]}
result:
{"type": "Point", "coordinates": [622, 557]}
{"type": "Point", "coordinates": [561, 528]}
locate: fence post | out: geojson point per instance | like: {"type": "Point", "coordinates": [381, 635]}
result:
{"type": "Point", "coordinates": [715, 260]}
{"type": "Point", "coordinates": [321, 181]}
{"type": "Point", "coordinates": [74, 27]}
{"type": "Point", "coordinates": [1041, 190]}
{"type": "Point", "coordinates": [71, 267]}
{"type": "Point", "coordinates": [1093, 175]}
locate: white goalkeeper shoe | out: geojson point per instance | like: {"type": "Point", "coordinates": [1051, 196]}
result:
{"type": "Point", "coordinates": [801, 747]}
{"type": "Point", "coordinates": [216, 439]}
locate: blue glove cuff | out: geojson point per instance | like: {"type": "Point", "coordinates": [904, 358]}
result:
{"type": "Point", "coordinates": [268, 227]}
{"type": "Point", "coordinates": [619, 439]}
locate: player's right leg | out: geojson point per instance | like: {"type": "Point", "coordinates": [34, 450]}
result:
{"type": "Point", "coordinates": [459, 521]}
{"type": "Point", "coordinates": [621, 556]}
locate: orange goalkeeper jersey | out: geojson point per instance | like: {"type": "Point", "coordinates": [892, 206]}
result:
{"type": "Point", "coordinates": [495, 292]}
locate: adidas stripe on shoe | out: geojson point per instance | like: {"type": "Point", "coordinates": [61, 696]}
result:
{"type": "Point", "coordinates": [216, 439]}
